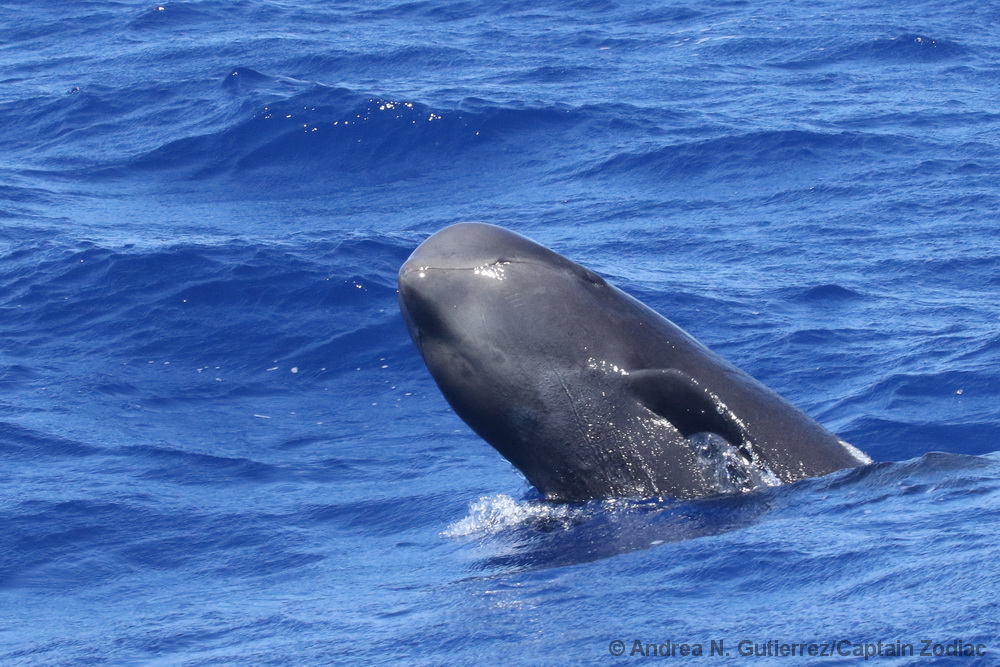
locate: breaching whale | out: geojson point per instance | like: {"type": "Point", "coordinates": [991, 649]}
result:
{"type": "Point", "coordinates": [585, 390]}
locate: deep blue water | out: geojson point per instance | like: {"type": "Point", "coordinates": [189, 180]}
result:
{"type": "Point", "coordinates": [219, 446]}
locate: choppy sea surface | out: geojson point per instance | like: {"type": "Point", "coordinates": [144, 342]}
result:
{"type": "Point", "coordinates": [218, 445]}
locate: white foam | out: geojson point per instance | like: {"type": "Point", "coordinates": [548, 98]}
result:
{"type": "Point", "coordinates": [494, 514]}
{"type": "Point", "coordinates": [857, 453]}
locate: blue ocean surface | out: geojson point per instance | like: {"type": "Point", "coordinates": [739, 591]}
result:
{"type": "Point", "coordinates": [219, 446]}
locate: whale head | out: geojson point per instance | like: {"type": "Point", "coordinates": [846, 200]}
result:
{"type": "Point", "coordinates": [494, 315]}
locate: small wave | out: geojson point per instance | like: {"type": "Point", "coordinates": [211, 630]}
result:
{"type": "Point", "coordinates": [900, 438]}
{"type": "Point", "coordinates": [84, 132]}
{"type": "Point", "coordinates": [907, 49]}
{"type": "Point", "coordinates": [372, 64]}
{"type": "Point", "coordinates": [30, 443]}
{"type": "Point", "coordinates": [245, 81]}
{"type": "Point", "coordinates": [933, 471]}
{"type": "Point", "coordinates": [733, 48]}
{"type": "Point", "coordinates": [902, 50]}
{"type": "Point", "coordinates": [170, 15]}
{"type": "Point", "coordinates": [553, 74]}
{"type": "Point", "coordinates": [754, 153]}
{"type": "Point", "coordinates": [382, 516]}
{"type": "Point", "coordinates": [197, 469]}
{"type": "Point", "coordinates": [655, 15]}
{"type": "Point", "coordinates": [26, 195]}
{"type": "Point", "coordinates": [247, 304]}
{"type": "Point", "coordinates": [826, 293]}
{"type": "Point", "coordinates": [338, 135]}
{"type": "Point", "coordinates": [422, 9]}
{"type": "Point", "coordinates": [252, 126]}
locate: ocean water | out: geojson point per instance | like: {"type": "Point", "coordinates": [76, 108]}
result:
{"type": "Point", "coordinates": [218, 445]}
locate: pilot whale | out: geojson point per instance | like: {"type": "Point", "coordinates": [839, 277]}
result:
{"type": "Point", "coordinates": [585, 390]}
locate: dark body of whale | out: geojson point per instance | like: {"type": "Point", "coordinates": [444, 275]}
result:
{"type": "Point", "coordinates": [588, 392]}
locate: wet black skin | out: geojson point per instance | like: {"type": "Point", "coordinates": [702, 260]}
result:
{"type": "Point", "coordinates": [589, 393]}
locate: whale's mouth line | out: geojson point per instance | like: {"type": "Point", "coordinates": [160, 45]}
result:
{"type": "Point", "coordinates": [406, 270]}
